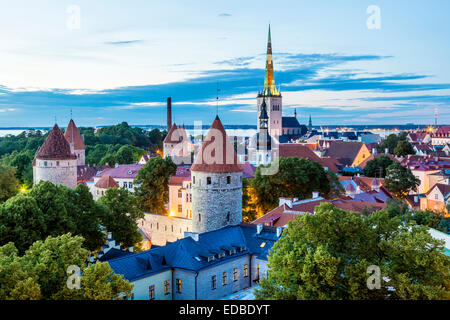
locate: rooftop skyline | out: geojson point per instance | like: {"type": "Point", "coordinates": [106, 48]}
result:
{"type": "Point", "coordinates": [111, 61]}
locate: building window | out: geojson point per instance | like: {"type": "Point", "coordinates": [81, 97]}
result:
{"type": "Point", "coordinates": [180, 208]}
{"type": "Point", "coordinates": [213, 282]}
{"type": "Point", "coordinates": [436, 196]}
{"type": "Point", "coordinates": [228, 217]}
{"type": "Point", "coordinates": [199, 217]}
{"type": "Point", "coordinates": [228, 179]}
{"type": "Point", "coordinates": [166, 287]}
{"type": "Point", "coordinates": [125, 184]}
{"type": "Point", "coordinates": [208, 180]}
{"type": "Point", "coordinates": [130, 185]}
{"type": "Point", "coordinates": [45, 163]}
{"type": "Point", "coordinates": [178, 285]}
{"type": "Point", "coordinates": [151, 292]}
{"type": "Point", "coordinates": [257, 272]}
{"type": "Point", "coordinates": [246, 271]}
{"type": "Point", "coordinates": [224, 278]}
{"type": "Point", "coordinates": [180, 193]}
{"type": "Point", "coordinates": [193, 179]}
{"type": "Point", "coordinates": [57, 163]}
{"type": "Point", "coordinates": [235, 274]}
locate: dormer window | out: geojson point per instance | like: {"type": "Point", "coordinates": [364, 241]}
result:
{"type": "Point", "coordinates": [210, 258]}
{"type": "Point", "coordinates": [242, 248]}
{"type": "Point", "coordinates": [232, 251]}
{"type": "Point", "coordinates": [221, 254]}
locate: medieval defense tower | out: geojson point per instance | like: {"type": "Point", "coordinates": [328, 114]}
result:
{"type": "Point", "coordinates": [76, 142]}
{"type": "Point", "coordinates": [216, 183]}
{"type": "Point", "coordinates": [54, 161]}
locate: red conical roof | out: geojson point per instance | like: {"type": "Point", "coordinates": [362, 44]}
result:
{"type": "Point", "coordinates": [72, 135]}
{"type": "Point", "coordinates": [217, 153]}
{"type": "Point", "coordinates": [55, 147]}
{"type": "Point", "coordinates": [106, 182]}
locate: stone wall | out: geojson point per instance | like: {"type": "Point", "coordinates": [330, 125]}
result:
{"type": "Point", "coordinates": [164, 228]}
{"type": "Point", "coordinates": [60, 172]}
{"type": "Point", "coordinates": [217, 204]}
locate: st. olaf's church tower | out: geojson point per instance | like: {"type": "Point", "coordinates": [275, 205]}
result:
{"type": "Point", "coordinates": [271, 96]}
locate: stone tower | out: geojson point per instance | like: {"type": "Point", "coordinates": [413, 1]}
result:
{"type": "Point", "coordinates": [216, 183]}
{"type": "Point", "coordinates": [271, 96]}
{"type": "Point", "coordinates": [261, 145]}
{"type": "Point", "coordinates": [55, 162]}
{"type": "Point", "coordinates": [76, 142]}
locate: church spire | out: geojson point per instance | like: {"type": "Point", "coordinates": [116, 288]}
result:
{"type": "Point", "coordinates": [269, 79]}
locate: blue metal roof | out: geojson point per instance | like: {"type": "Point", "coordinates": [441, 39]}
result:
{"type": "Point", "coordinates": [189, 254]}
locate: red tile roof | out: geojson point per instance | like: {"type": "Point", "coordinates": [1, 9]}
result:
{"type": "Point", "coordinates": [106, 182]}
{"type": "Point", "coordinates": [297, 150]}
{"type": "Point", "coordinates": [176, 134]}
{"type": "Point", "coordinates": [72, 135]}
{"type": "Point", "coordinates": [216, 141]}
{"type": "Point", "coordinates": [55, 147]}
{"type": "Point", "coordinates": [344, 151]}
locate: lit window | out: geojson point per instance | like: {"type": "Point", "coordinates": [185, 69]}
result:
{"type": "Point", "coordinates": [235, 275]}
{"type": "Point", "coordinates": [178, 285]}
{"type": "Point", "coordinates": [224, 278]}
{"type": "Point", "coordinates": [246, 271]}
{"type": "Point", "coordinates": [166, 287]}
{"type": "Point", "coordinates": [180, 208]}
{"type": "Point", "coordinates": [180, 193]}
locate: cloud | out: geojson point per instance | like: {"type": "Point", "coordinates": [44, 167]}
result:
{"type": "Point", "coordinates": [327, 75]}
{"type": "Point", "coordinates": [123, 42]}
{"type": "Point", "coordinates": [224, 14]}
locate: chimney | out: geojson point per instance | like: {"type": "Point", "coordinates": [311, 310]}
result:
{"type": "Point", "coordinates": [286, 201]}
{"type": "Point", "coordinates": [169, 113]}
{"type": "Point", "coordinates": [279, 231]}
{"type": "Point", "coordinates": [386, 150]}
{"type": "Point", "coordinates": [259, 228]}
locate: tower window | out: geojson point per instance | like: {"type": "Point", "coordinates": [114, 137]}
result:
{"type": "Point", "coordinates": [199, 217]}
{"type": "Point", "coordinates": [208, 180]}
{"type": "Point", "coordinates": [228, 217]}
{"type": "Point", "coordinates": [228, 179]}
{"type": "Point", "coordinates": [193, 179]}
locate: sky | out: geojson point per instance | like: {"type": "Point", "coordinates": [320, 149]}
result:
{"type": "Point", "coordinates": [347, 62]}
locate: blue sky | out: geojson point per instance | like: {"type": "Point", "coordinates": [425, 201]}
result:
{"type": "Point", "coordinates": [125, 57]}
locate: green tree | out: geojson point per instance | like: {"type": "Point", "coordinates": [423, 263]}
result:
{"type": "Point", "coordinates": [400, 180]}
{"type": "Point", "coordinates": [53, 210]}
{"type": "Point", "coordinates": [9, 185]}
{"type": "Point", "coordinates": [21, 222]}
{"type": "Point", "coordinates": [152, 184]}
{"type": "Point", "coordinates": [41, 273]}
{"type": "Point", "coordinates": [377, 167]}
{"type": "Point", "coordinates": [327, 255]}
{"type": "Point", "coordinates": [429, 218]}
{"type": "Point", "coordinates": [403, 148]}
{"type": "Point", "coordinates": [296, 177]}
{"type": "Point", "coordinates": [121, 216]}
